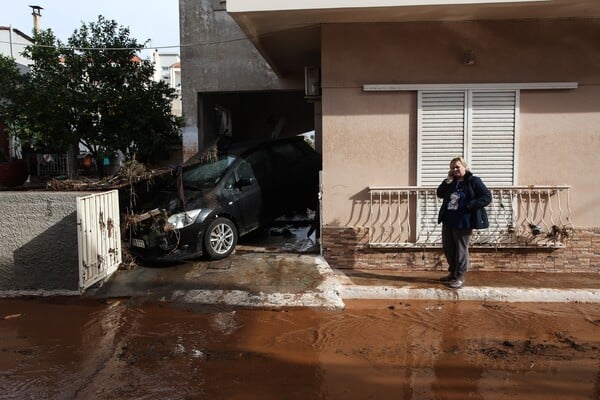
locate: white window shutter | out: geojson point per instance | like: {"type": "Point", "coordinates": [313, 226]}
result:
{"type": "Point", "coordinates": [492, 136]}
{"type": "Point", "coordinates": [492, 126]}
{"type": "Point", "coordinates": [441, 126]}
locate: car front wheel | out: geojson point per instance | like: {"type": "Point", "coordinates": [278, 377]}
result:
{"type": "Point", "coordinates": [220, 238]}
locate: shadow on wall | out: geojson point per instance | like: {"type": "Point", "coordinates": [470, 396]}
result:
{"type": "Point", "coordinates": [49, 261]}
{"type": "Point", "coordinates": [359, 213]}
{"type": "Point", "coordinates": [346, 246]}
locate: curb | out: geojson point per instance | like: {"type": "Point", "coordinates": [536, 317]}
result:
{"type": "Point", "coordinates": [244, 299]}
{"type": "Point", "coordinates": [38, 293]}
{"type": "Point", "coordinates": [501, 294]}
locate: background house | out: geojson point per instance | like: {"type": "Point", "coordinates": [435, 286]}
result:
{"type": "Point", "coordinates": [12, 44]}
{"type": "Point", "coordinates": [407, 85]}
{"type": "Point", "coordinates": [167, 68]}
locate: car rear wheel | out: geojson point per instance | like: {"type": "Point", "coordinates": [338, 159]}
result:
{"type": "Point", "coordinates": [220, 238]}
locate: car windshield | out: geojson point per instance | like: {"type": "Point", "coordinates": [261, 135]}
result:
{"type": "Point", "coordinates": [206, 175]}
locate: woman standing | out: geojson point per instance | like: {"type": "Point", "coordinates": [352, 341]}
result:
{"type": "Point", "coordinates": [464, 198]}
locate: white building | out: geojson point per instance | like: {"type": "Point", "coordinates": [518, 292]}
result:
{"type": "Point", "coordinates": [167, 68]}
{"type": "Point", "coordinates": [12, 44]}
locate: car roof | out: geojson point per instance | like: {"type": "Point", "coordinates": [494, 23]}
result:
{"type": "Point", "coordinates": [236, 148]}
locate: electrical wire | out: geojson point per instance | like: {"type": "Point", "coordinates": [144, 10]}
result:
{"type": "Point", "coordinates": [142, 48]}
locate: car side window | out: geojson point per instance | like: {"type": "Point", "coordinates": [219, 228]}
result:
{"type": "Point", "coordinates": [242, 171]}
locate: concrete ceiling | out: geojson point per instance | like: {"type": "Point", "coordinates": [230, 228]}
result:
{"type": "Point", "coordinates": [290, 39]}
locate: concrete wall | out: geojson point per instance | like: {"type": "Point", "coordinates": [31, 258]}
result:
{"type": "Point", "coordinates": [214, 59]}
{"type": "Point", "coordinates": [371, 138]}
{"type": "Point", "coordinates": [38, 241]}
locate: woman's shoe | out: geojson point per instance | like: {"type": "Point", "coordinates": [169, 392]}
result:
{"type": "Point", "coordinates": [456, 284]}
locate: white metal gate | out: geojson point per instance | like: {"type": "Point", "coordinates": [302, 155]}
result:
{"type": "Point", "coordinates": [98, 236]}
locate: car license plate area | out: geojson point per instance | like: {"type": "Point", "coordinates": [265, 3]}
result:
{"type": "Point", "coordinates": [138, 243]}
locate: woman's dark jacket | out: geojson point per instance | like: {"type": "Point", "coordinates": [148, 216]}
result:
{"type": "Point", "coordinates": [477, 196]}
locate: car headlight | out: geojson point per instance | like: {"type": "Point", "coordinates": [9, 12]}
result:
{"type": "Point", "coordinates": [181, 220]}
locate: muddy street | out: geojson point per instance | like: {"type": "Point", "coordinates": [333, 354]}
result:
{"type": "Point", "coordinates": [74, 349]}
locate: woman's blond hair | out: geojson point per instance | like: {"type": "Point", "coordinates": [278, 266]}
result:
{"type": "Point", "coordinates": [460, 160]}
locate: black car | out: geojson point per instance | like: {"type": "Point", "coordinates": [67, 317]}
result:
{"type": "Point", "coordinates": [207, 205]}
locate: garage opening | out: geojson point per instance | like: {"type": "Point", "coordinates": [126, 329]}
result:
{"type": "Point", "coordinates": [250, 115]}
{"type": "Point", "coordinates": [242, 116]}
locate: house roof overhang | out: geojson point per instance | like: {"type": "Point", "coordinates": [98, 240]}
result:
{"type": "Point", "coordinates": [288, 35]}
{"type": "Point", "coordinates": [18, 32]}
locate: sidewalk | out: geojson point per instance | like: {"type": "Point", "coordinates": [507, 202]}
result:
{"type": "Point", "coordinates": [278, 270]}
{"type": "Point", "coordinates": [480, 286]}
{"type": "Point", "coordinates": [268, 279]}
{"type": "Point", "coordinates": [243, 280]}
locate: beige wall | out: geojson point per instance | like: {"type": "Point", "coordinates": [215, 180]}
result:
{"type": "Point", "coordinates": [369, 146]}
{"type": "Point", "coordinates": [559, 143]}
{"type": "Point", "coordinates": [369, 139]}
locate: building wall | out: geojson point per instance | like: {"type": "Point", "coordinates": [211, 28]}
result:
{"type": "Point", "coordinates": [38, 241]}
{"type": "Point", "coordinates": [19, 42]}
{"type": "Point", "coordinates": [215, 58]}
{"type": "Point", "coordinates": [560, 143]}
{"type": "Point", "coordinates": [162, 66]}
{"type": "Point", "coordinates": [167, 69]}
{"type": "Point", "coordinates": [370, 138]}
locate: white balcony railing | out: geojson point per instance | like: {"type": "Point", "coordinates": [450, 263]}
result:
{"type": "Point", "coordinates": [520, 216]}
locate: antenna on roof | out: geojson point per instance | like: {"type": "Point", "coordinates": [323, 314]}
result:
{"type": "Point", "coordinates": [37, 13]}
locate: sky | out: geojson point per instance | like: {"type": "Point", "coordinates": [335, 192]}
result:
{"type": "Point", "coordinates": [157, 20]}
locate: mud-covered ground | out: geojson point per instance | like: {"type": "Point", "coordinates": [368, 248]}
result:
{"type": "Point", "coordinates": [70, 349]}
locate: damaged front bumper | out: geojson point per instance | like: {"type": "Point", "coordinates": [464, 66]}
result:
{"type": "Point", "coordinates": [156, 236]}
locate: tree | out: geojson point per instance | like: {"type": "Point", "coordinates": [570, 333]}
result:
{"type": "Point", "coordinates": [95, 92]}
{"type": "Point", "coordinates": [12, 82]}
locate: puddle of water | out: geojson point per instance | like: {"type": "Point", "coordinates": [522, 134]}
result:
{"type": "Point", "coordinates": [68, 349]}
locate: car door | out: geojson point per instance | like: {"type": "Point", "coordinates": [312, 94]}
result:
{"type": "Point", "coordinates": [262, 170]}
{"type": "Point", "coordinates": [243, 196]}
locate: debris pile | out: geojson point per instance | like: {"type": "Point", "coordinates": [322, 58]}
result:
{"type": "Point", "coordinates": [129, 173]}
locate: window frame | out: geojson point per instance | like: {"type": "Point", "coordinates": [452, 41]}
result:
{"type": "Point", "coordinates": [467, 131]}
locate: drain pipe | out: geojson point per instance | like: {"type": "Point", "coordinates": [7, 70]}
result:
{"type": "Point", "coordinates": [10, 41]}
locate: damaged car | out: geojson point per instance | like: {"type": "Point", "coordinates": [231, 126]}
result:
{"type": "Point", "coordinates": [205, 206]}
